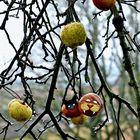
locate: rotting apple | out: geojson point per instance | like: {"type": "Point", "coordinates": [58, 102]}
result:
{"type": "Point", "coordinates": [73, 34]}
{"type": "Point", "coordinates": [70, 110]}
{"type": "Point", "coordinates": [19, 110]}
{"type": "Point", "coordinates": [104, 4]}
{"type": "Point", "coordinates": [79, 119]}
{"type": "Point", "coordinates": [90, 104]}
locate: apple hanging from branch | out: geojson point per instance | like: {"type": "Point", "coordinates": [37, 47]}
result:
{"type": "Point", "coordinates": [19, 110]}
{"type": "Point", "coordinates": [90, 104]}
{"type": "Point", "coordinates": [70, 108]}
{"type": "Point", "coordinates": [73, 34]}
{"type": "Point", "coordinates": [104, 4]}
{"type": "Point", "coordinates": [79, 119]}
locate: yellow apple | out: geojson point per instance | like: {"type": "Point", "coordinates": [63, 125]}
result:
{"type": "Point", "coordinates": [80, 119]}
{"type": "Point", "coordinates": [73, 34]}
{"type": "Point", "coordinates": [19, 110]}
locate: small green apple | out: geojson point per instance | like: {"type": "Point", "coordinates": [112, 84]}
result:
{"type": "Point", "coordinates": [73, 34]}
{"type": "Point", "coordinates": [19, 110]}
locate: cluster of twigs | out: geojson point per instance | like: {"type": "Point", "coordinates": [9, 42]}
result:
{"type": "Point", "coordinates": [35, 19]}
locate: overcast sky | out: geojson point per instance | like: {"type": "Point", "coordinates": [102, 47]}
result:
{"type": "Point", "coordinates": [14, 28]}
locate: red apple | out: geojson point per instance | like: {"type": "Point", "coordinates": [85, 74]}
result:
{"type": "Point", "coordinates": [104, 4]}
{"type": "Point", "coordinates": [70, 109]}
{"type": "Point", "coordinates": [90, 104]}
